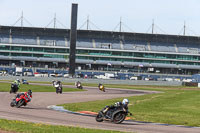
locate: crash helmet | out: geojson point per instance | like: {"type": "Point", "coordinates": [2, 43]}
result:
{"type": "Point", "coordinates": [125, 102]}
{"type": "Point", "coordinates": [18, 80]}
{"type": "Point", "coordinates": [30, 92]}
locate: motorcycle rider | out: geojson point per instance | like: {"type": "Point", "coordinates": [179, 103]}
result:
{"type": "Point", "coordinates": [101, 87]}
{"type": "Point", "coordinates": [28, 95]}
{"type": "Point", "coordinates": [15, 86]}
{"type": "Point", "coordinates": [57, 82]}
{"type": "Point", "coordinates": [123, 104]}
{"type": "Point", "coordinates": [17, 82]}
{"type": "Point", "coordinates": [77, 83]}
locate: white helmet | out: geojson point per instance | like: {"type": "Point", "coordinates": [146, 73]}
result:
{"type": "Point", "coordinates": [125, 102]}
{"type": "Point", "coordinates": [18, 80]}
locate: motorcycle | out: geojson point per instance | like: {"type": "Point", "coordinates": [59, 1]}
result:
{"type": "Point", "coordinates": [25, 81]}
{"type": "Point", "coordinates": [115, 115]}
{"type": "Point", "coordinates": [58, 88]}
{"type": "Point", "coordinates": [14, 88]}
{"type": "Point", "coordinates": [19, 101]}
{"type": "Point", "coordinates": [102, 88]}
{"type": "Point", "coordinates": [79, 86]}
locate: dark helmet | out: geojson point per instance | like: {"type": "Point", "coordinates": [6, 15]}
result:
{"type": "Point", "coordinates": [30, 92]}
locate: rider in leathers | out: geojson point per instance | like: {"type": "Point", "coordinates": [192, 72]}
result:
{"type": "Point", "coordinates": [28, 95]}
{"type": "Point", "coordinates": [123, 104]}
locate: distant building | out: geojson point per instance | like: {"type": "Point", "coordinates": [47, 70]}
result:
{"type": "Point", "coordinates": [100, 50]}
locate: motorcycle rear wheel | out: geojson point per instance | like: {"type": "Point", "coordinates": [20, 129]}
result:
{"type": "Point", "coordinates": [99, 118]}
{"type": "Point", "coordinates": [60, 90]}
{"type": "Point", "coordinates": [12, 104]}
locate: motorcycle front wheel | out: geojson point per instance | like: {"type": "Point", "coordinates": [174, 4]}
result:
{"type": "Point", "coordinates": [119, 118]}
{"type": "Point", "coordinates": [20, 103]}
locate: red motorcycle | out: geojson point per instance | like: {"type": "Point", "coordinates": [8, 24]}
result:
{"type": "Point", "coordinates": [21, 100]}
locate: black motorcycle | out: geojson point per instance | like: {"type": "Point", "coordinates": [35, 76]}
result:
{"type": "Point", "coordinates": [58, 88]}
{"type": "Point", "coordinates": [79, 86]}
{"type": "Point", "coordinates": [14, 88]}
{"type": "Point", "coordinates": [116, 115]}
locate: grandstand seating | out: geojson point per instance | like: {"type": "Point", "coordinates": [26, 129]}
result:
{"type": "Point", "coordinates": [115, 46]}
{"type": "Point", "coordinates": [30, 40]}
{"type": "Point", "coordinates": [4, 38]}
{"type": "Point", "coordinates": [84, 43]}
{"type": "Point", "coordinates": [185, 48]}
{"type": "Point", "coordinates": [52, 41]}
{"type": "Point", "coordinates": [104, 44]}
{"type": "Point", "coordinates": [134, 45]}
{"type": "Point", "coordinates": [162, 47]}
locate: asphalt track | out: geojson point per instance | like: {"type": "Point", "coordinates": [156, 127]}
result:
{"type": "Point", "coordinates": [36, 111]}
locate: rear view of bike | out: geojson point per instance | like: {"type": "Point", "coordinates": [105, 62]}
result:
{"type": "Point", "coordinates": [14, 88]}
{"type": "Point", "coordinates": [79, 86]}
{"type": "Point", "coordinates": [59, 90]}
{"type": "Point", "coordinates": [102, 88]}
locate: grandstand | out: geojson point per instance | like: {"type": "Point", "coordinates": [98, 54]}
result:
{"type": "Point", "coordinates": [100, 50]}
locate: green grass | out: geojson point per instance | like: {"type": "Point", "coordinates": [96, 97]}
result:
{"type": "Point", "coordinates": [177, 105]}
{"type": "Point", "coordinates": [5, 87]}
{"type": "Point", "coordinates": [27, 127]}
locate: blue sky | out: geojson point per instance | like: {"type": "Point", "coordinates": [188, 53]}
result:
{"type": "Point", "coordinates": [137, 15]}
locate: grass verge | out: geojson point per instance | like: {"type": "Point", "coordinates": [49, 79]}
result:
{"type": "Point", "coordinates": [5, 87]}
{"type": "Point", "coordinates": [27, 127]}
{"type": "Point", "coordinates": [176, 105]}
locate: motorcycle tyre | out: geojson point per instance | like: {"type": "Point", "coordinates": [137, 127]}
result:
{"type": "Point", "coordinates": [120, 121]}
{"type": "Point", "coordinates": [20, 103]}
{"type": "Point", "coordinates": [12, 104]}
{"type": "Point", "coordinates": [61, 91]}
{"type": "Point", "coordinates": [99, 118]}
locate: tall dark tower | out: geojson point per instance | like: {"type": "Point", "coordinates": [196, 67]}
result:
{"type": "Point", "coordinates": [73, 36]}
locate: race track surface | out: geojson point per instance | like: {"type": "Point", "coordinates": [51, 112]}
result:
{"type": "Point", "coordinates": [36, 111]}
